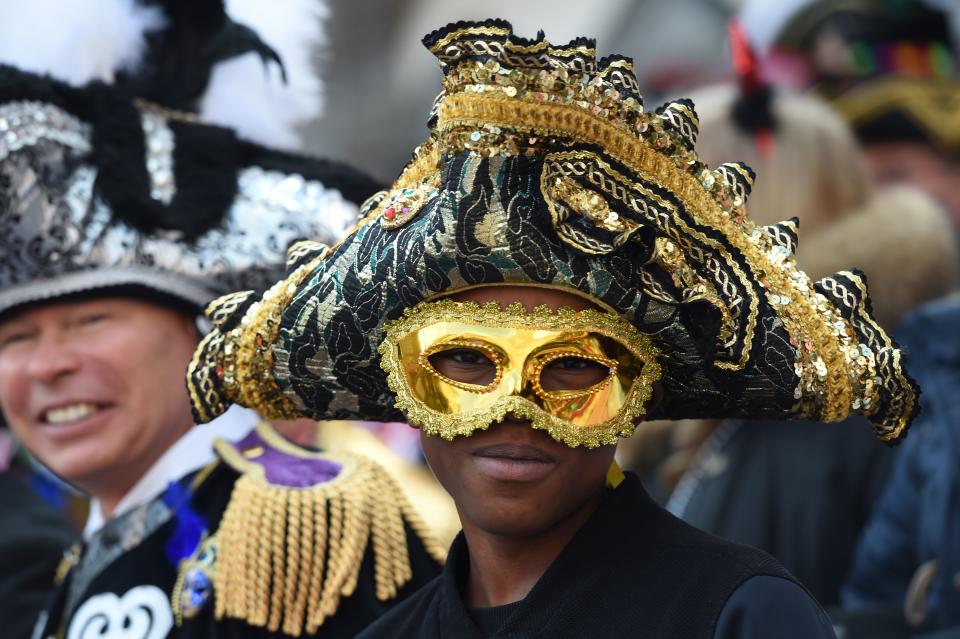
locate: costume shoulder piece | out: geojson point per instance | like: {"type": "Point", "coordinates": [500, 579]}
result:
{"type": "Point", "coordinates": [98, 189]}
{"type": "Point", "coordinates": [543, 168]}
{"type": "Point", "coordinates": [293, 538]}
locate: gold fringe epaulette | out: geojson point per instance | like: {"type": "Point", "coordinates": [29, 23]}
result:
{"type": "Point", "coordinates": [428, 498]}
{"type": "Point", "coordinates": [286, 555]}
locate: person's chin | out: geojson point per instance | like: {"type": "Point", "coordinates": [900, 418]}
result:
{"type": "Point", "coordinates": [518, 521]}
{"type": "Point", "coordinates": [83, 450]}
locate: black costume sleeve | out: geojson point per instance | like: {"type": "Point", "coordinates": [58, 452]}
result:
{"type": "Point", "coordinates": [772, 607]}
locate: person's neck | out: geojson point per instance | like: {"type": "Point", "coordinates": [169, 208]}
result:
{"type": "Point", "coordinates": [119, 482]}
{"type": "Point", "coordinates": [503, 569]}
{"type": "Point", "coordinates": [109, 503]}
{"type": "Point", "coordinates": [109, 494]}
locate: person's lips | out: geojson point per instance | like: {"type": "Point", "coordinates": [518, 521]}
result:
{"type": "Point", "coordinates": [513, 462]}
{"type": "Point", "coordinates": [524, 452]}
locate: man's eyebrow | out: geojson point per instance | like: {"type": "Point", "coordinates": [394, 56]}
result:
{"type": "Point", "coordinates": [13, 323]}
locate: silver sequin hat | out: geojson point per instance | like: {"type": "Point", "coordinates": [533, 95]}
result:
{"type": "Point", "coordinates": [98, 190]}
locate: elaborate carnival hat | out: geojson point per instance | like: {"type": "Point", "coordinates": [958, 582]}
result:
{"type": "Point", "coordinates": [889, 66]}
{"type": "Point", "coordinates": [125, 184]}
{"type": "Point", "coordinates": [543, 169]}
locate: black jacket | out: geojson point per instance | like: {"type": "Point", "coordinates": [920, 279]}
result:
{"type": "Point", "coordinates": [801, 492]}
{"type": "Point", "coordinates": [125, 570]}
{"type": "Point", "coordinates": [633, 570]}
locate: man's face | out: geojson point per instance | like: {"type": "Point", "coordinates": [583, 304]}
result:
{"type": "Point", "coordinates": [511, 479]}
{"type": "Point", "coordinates": [95, 388]}
{"type": "Point", "coordinates": [920, 166]}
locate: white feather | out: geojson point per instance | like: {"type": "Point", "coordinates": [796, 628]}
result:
{"type": "Point", "coordinates": [251, 98]}
{"type": "Point", "coordinates": [75, 41]}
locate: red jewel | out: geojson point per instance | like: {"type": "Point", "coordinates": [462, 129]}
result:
{"type": "Point", "coordinates": [390, 213]}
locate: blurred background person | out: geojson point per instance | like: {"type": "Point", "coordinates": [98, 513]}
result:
{"type": "Point", "coordinates": [803, 495]}
{"type": "Point", "coordinates": [888, 66]}
{"type": "Point", "coordinates": [891, 68]}
{"type": "Point", "coordinates": [907, 563]}
{"type": "Point", "coordinates": [33, 537]}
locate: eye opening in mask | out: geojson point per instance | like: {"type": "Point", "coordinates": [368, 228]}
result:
{"type": "Point", "coordinates": [467, 364]}
{"type": "Point", "coordinates": [571, 374]}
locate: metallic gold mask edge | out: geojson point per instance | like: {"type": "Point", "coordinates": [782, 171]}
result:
{"type": "Point", "coordinates": [450, 426]}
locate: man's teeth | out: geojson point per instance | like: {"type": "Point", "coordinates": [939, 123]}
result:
{"type": "Point", "coordinates": [71, 413]}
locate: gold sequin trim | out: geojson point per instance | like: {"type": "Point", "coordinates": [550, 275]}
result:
{"type": "Point", "coordinates": [242, 358]}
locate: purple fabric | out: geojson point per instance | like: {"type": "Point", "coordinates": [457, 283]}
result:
{"type": "Point", "coordinates": [284, 469]}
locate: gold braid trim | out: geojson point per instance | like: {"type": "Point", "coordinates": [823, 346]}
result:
{"type": "Point", "coordinates": [286, 555]}
{"type": "Point", "coordinates": [931, 105]}
{"type": "Point", "coordinates": [440, 44]}
{"type": "Point", "coordinates": [597, 173]}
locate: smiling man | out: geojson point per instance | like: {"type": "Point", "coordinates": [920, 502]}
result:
{"type": "Point", "coordinates": [83, 383]}
{"type": "Point", "coordinates": [123, 213]}
{"type": "Point", "coordinates": [553, 267]}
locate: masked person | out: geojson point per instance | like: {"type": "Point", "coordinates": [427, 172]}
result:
{"type": "Point", "coordinates": [554, 266]}
{"type": "Point", "coordinates": [123, 213]}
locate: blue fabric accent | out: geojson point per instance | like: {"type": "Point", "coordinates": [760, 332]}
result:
{"type": "Point", "coordinates": [765, 606]}
{"type": "Point", "coordinates": [190, 525]}
{"type": "Point", "coordinates": [50, 490]}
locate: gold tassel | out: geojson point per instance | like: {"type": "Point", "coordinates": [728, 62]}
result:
{"type": "Point", "coordinates": [287, 556]}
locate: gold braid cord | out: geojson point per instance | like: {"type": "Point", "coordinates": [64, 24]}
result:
{"type": "Point", "coordinates": [287, 555]}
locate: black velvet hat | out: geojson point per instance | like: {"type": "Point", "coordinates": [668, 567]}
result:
{"type": "Point", "coordinates": [543, 168]}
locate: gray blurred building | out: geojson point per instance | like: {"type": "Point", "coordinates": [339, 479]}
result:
{"type": "Point", "coordinates": [380, 81]}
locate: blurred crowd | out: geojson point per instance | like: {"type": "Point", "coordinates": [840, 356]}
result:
{"type": "Point", "coordinates": [848, 111]}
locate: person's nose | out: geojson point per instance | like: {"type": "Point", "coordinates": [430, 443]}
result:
{"type": "Point", "coordinates": [51, 359]}
{"type": "Point", "coordinates": [512, 381]}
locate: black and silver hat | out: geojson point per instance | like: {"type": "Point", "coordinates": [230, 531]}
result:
{"type": "Point", "coordinates": [127, 183]}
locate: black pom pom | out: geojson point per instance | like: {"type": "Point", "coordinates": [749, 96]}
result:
{"type": "Point", "coordinates": [754, 112]}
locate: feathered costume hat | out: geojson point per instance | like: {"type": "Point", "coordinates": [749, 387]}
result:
{"type": "Point", "coordinates": [889, 66]}
{"type": "Point", "coordinates": [112, 177]}
{"type": "Point", "coordinates": [544, 169]}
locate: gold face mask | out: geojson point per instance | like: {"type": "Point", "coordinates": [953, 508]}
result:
{"type": "Point", "coordinates": [457, 367]}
